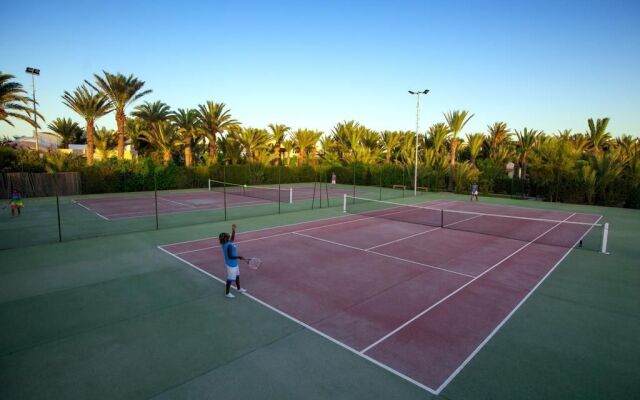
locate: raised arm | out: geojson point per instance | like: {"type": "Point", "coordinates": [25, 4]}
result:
{"type": "Point", "coordinates": [233, 232]}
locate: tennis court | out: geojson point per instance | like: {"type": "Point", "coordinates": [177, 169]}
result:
{"type": "Point", "coordinates": [417, 290]}
{"type": "Point", "coordinates": [144, 205]}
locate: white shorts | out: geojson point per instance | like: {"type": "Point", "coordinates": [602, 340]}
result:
{"type": "Point", "coordinates": [232, 273]}
{"type": "Point", "coordinates": [474, 193]}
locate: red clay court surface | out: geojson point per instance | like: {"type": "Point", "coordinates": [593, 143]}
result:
{"type": "Point", "coordinates": [114, 208]}
{"type": "Point", "coordinates": [419, 301]}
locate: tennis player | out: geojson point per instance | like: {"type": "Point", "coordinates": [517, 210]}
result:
{"type": "Point", "coordinates": [231, 258]}
{"type": "Point", "coordinates": [15, 203]}
{"type": "Point", "coordinates": [474, 191]}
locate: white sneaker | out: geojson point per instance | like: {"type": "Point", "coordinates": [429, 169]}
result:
{"type": "Point", "coordinates": [229, 296]}
{"type": "Point", "coordinates": [242, 290]}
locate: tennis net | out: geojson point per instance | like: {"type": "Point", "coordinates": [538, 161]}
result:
{"type": "Point", "coordinates": [575, 231]}
{"type": "Point", "coordinates": [282, 195]}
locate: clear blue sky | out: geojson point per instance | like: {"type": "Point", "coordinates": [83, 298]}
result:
{"type": "Point", "coordinates": [547, 65]}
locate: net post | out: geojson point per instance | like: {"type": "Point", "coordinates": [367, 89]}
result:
{"type": "Point", "coordinates": [344, 203]}
{"type": "Point", "coordinates": [209, 184]}
{"type": "Point", "coordinates": [605, 236]}
{"type": "Point", "coordinates": [290, 195]}
{"type": "Point", "coordinates": [279, 191]}
{"type": "Point", "coordinates": [442, 218]}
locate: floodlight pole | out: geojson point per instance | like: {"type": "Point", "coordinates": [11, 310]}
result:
{"type": "Point", "coordinates": [33, 72]}
{"type": "Point", "coordinates": [415, 172]}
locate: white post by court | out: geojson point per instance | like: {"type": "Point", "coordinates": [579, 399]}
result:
{"type": "Point", "coordinates": [605, 235]}
{"type": "Point", "coordinates": [344, 203]}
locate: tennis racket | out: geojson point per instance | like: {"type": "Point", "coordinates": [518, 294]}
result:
{"type": "Point", "coordinates": [253, 262]}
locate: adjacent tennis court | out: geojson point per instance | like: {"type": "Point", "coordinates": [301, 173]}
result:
{"type": "Point", "coordinates": [217, 196]}
{"type": "Point", "coordinates": [415, 289]}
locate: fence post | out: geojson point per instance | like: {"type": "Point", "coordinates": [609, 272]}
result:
{"type": "Point", "coordinates": [344, 203]}
{"type": "Point", "coordinates": [224, 190]}
{"type": "Point", "coordinates": [320, 182]}
{"type": "Point", "coordinates": [155, 191]}
{"type": "Point", "coordinates": [354, 183]}
{"type": "Point", "coordinates": [58, 208]}
{"type": "Point", "coordinates": [279, 190]}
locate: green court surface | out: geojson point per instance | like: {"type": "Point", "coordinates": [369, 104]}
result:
{"type": "Point", "coordinates": [112, 316]}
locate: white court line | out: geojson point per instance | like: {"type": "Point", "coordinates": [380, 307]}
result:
{"type": "Point", "coordinates": [176, 202]}
{"type": "Point", "coordinates": [309, 327]}
{"type": "Point", "coordinates": [423, 312]}
{"type": "Point", "coordinates": [384, 255]}
{"type": "Point", "coordinates": [90, 210]}
{"type": "Point", "coordinates": [462, 220]}
{"type": "Point", "coordinates": [279, 226]}
{"type": "Point", "coordinates": [504, 321]}
{"type": "Point", "coordinates": [420, 233]}
{"type": "Point", "coordinates": [402, 238]}
{"type": "Point", "coordinates": [131, 214]}
{"type": "Point", "coordinates": [498, 205]}
{"type": "Point", "coordinates": [286, 233]}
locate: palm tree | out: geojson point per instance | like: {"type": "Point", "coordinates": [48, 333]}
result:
{"type": "Point", "coordinates": [554, 159]}
{"type": "Point", "coordinates": [456, 120]}
{"type": "Point", "coordinates": [214, 119]}
{"type": "Point", "coordinates": [475, 142]}
{"type": "Point", "coordinates": [305, 141]}
{"type": "Point", "coordinates": [278, 135]}
{"type": "Point", "coordinates": [105, 140]}
{"type": "Point", "coordinates": [188, 127]}
{"type": "Point", "coordinates": [14, 103]}
{"type": "Point", "coordinates": [252, 140]}
{"type": "Point", "coordinates": [289, 146]}
{"type": "Point", "coordinates": [526, 141]}
{"type": "Point", "coordinates": [598, 135]}
{"type": "Point", "coordinates": [152, 113]}
{"type": "Point", "coordinates": [121, 91]}
{"type": "Point", "coordinates": [390, 142]}
{"type": "Point", "coordinates": [498, 134]}
{"type": "Point", "coordinates": [91, 106]}
{"type": "Point", "coordinates": [589, 181]}
{"type": "Point", "coordinates": [231, 149]}
{"type": "Point", "coordinates": [408, 148]}
{"type": "Point", "coordinates": [437, 136]}
{"type": "Point", "coordinates": [68, 130]}
{"type": "Point", "coordinates": [607, 171]}
{"type": "Point", "coordinates": [163, 137]}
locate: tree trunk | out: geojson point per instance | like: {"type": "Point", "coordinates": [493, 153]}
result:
{"type": "Point", "coordinates": [213, 152]}
{"type": "Point", "coordinates": [388, 156]}
{"type": "Point", "coordinates": [166, 156]}
{"type": "Point", "coordinates": [300, 156]}
{"type": "Point", "coordinates": [120, 120]}
{"type": "Point", "coordinates": [188, 154]}
{"type": "Point", "coordinates": [276, 149]}
{"type": "Point", "coordinates": [90, 129]}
